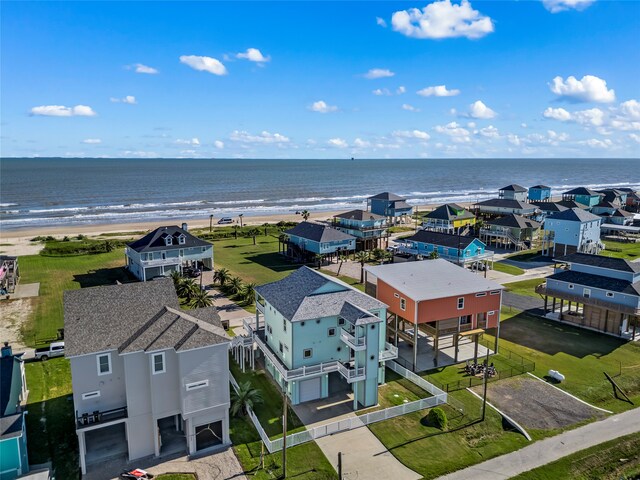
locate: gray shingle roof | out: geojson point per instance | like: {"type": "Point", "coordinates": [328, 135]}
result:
{"type": "Point", "coordinates": [155, 240]}
{"type": "Point", "coordinates": [11, 426]}
{"type": "Point", "coordinates": [308, 294]}
{"type": "Point", "coordinates": [448, 212]}
{"type": "Point", "coordinates": [386, 196]}
{"type": "Point", "coordinates": [506, 203]}
{"type": "Point", "coordinates": [581, 191]}
{"type": "Point", "coordinates": [575, 215]}
{"type": "Point", "coordinates": [360, 215]}
{"type": "Point", "coordinates": [622, 213]}
{"type": "Point", "coordinates": [550, 206]}
{"type": "Point", "coordinates": [134, 317]}
{"type": "Point", "coordinates": [598, 281]}
{"type": "Point", "coordinates": [443, 239]}
{"type": "Point", "coordinates": [514, 187]}
{"type": "Point", "coordinates": [514, 221]}
{"type": "Point", "coordinates": [601, 261]}
{"type": "Point", "coordinates": [572, 204]}
{"type": "Point", "coordinates": [401, 204]}
{"type": "Point", "coordinates": [317, 232]}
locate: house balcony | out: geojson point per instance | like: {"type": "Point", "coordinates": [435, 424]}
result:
{"type": "Point", "coordinates": [390, 352]}
{"type": "Point", "coordinates": [100, 417]}
{"type": "Point", "coordinates": [487, 255]}
{"type": "Point", "coordinates": [357, 344]}
{"type": "Point", "coordinates": [260, 307]}
{"type": "Point", "coordinates": [351, 374]}
{"type": "Point", "coordinates": [595, 302]}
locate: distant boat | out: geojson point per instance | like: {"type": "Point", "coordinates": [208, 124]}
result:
{"type": "Point", "coordinates": [352, 159]}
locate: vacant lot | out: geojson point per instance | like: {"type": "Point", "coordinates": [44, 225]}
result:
{"type": "Point", "coordinates": [629, 251]}
{"type": "Point", "coordinates": [525, 287]}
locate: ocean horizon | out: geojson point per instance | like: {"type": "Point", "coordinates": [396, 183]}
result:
{"type": "Point", "coordinates": [57, 192]}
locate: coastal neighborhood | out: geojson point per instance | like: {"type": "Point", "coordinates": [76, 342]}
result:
{"type": "Point", "coordinates": [172, 351]}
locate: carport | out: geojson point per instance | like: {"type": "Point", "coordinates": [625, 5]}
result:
{"type": "Point", "coordinates": [104, 443]}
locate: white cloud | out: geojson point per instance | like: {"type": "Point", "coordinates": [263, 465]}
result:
{"type": "Point", "coordinates": [264, 137]}
{"type": "Point", "coordinates": [253, 55]}
{"type": "Point", "coordinates": [130, 99]}
{"type": "Point", "coordinates": [442, 19]}
{"type": "Point", "coordinates": [479, 110]}
{"type": "Point", "coordinates": [634, 137]}
{"type": "Point", "coordinates": [471, 124]}
{"type": "Point", "coordinates": [592, 117]}
{"type": "Point", "coordinates": [557, 114]}
{"type": "Point", "coordinates": [438, 91]}
{"type": "Point", "coordinates": [381, 92]}
{"type": "Point", "coordinates": [419, 134]}
{"type": "Point", "coordinates": [338, 142]}
{"type": "Point", "coordinates": [381, 22]}
{"type": "Point", "coordinates": [359, 143]}
{"type": "Point", "coordinates": [193, 141]}
{"type": "Point", "coordinates": [401, 89]}
{"type": "Point", "coordinates": [489, 132]}
{"type": "Point", "coordinates": [455, 131]}
{"type": "Point", "coordinates": [62, 111]}
{"type": "Point", "coordinates": [523, 125]}
{"type": "Point", "coordinates": [409, 108]}
{"type": "Point", "coordinates": [92, 141]}
{"type": "Point", "coordinates": [596, 143]}
{"type": "Point", "coordinates": [219, 144]}
{"type": "Point", "coordinates": [555, 6]}
{"type": "Point", "coordinates": [321, 107]}
{"type": "Point", "coordinates": [204, 64]}
{"type": "Point", "coordinates": [140, 68]}
{"type": "Point", "coordinates": [588, 89]}
{"type": "Point", "coordinates": [378, 73]}
{"type": "Point", "coordinates": [630, 109]}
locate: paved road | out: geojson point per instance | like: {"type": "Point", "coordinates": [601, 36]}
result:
{"type": "Point", "coordinates": [551, 449]}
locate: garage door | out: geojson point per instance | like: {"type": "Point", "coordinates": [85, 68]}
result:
{"type": "Point", "coordinates": [310, 389]}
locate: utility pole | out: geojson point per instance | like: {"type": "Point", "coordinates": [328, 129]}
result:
{"type": "Point", "coordinates": [241, 215]}
{"type": "Point", "coordinates": [284, 433]}
{"type": "Point", "coordinates": [210, 223]}
{"type": "Point", "coordinates": [339, 465]}
{"type": "Point", "coordinates": [484, 393]}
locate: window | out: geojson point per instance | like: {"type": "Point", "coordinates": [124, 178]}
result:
{"type": "Point", "coordinates": [610, 294]}
{"type": "Point", "coordinates": [302, 324]}
{"type": "Point", "coordinates": [157, 363]}
{"type": "Point", "coordinates": [182, 239]}
{"type": "Point", "coordinates": [269, 329]}
{"type": "Point", "coordinates": [149, 256]}
{"type": "Point", "coordinates": [307, 352]}
{"type": "Point", "coordinates": [284, 324]}
{"type": "Point", "coordinates": [460, 303]}
{"type": "Point", "coordinates": [403, 304]}
{"type": "Point", "coordinates": [465, 320]}
{"type": "Point", "coordinates": [104, 364]}
{"type": "Point", "coordinates": [168, 241]}
{"type": "Point", "coordinates": [492, 312]}
{"type": "Point", "coordinates": [494, 292]}
{"type": "Point", "coordinates": [89, 395]}
{"type": "Point", "coordinates": [396, 295]}
{"type": "Point", "coordinates": [332, 332]}
{"type": "Point", "coordinates": [341, 321]}
{"type": "Point", "coordinates": [586, 293]}
{"type": "Point", "coordinates": [483, 294]}
{"type": "Point", "coordinates": [196, 385]}
{"type": "Point", "coordinates": [181, 252]}
{"type": "Point", "coordinates": [571, 286]}
{"type": "Point", "coordinates": [281, 348]}
{"type": "Point", "coordinates": [204, 249]}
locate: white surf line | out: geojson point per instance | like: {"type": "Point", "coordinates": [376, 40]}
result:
{"type": "Point", "coordinates": [509, 419]}
{"type": "Point", "coordinates": [567, 393]}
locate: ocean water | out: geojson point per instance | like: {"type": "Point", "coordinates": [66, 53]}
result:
{"type": "Point", "coordinates": [61, 192]}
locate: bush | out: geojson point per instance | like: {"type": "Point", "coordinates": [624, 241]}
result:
{"type": "Point", "coordinates": [41, 238]}
{"type": "Point", "coordinates": [437, 418]}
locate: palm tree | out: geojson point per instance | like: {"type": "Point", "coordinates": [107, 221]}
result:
{"type": "Point", "coordinates": [318, 258]}
{"type": "Point", "coordinates": [266, 227]}
{"type": "Point", "coordinates": [176, 277]}
{"type": "Point", "coordinates": [235, 285]}
{"type": "Point", "coordinates": [248, 293]}
{"type": "Point", "coordinates": [201, 299]}
{"type": "Point", "coordinates": [187, 288]}
{"type": "Point", "coordinates": [362, 257]}
{"type": "Point", "coordinates": [305, 214]}
{"type": "Point", "coordinates": [433, 255]}
{"type": "Point", "coordinates": [108, 246]}
{"type": "Point", "coordinates": [246, 397]}
{"type": "Point", "coordinates": [254, 232]}
{"type": "Point", "coordinates": [221, 276]}
{"type": "Point", "coordinates": [283, 238]}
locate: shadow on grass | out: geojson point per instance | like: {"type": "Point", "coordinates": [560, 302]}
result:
{"type": "Point", "coordinates": [103, 276]}
{"type": "Point", "coordinates": [553, 337]}
{"type": "Point", "coordinates": [272, 261]}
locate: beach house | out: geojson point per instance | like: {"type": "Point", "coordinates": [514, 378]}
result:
{"type": "Point", "coordinates": [583, 195]}
{"type": "Point", "coordinates": [436, 310]}
{"type": "Point", "coordinates": [572, 231]}
{"type": "Point", "coordinates": [459, 249]}
{"type": "Point", "coordinates": [633, 200]}
{"type": "Point", "coordinates": [595, 292]}
{"type": "Point", "coordinates": [9, 274]}
{"type": "Point", "coordinates": [149, 379]}
{"type": "Point", "coordinates": [615, 196]}
{"type": "Point", "coordinates": [390, 205]}
{"type": "Point", "coordinates": [449, 218]}
{"type": "Point", "coordinates": [547, 208]}
{"type": "Point", "coordinates": [513, 192]}
{"type": "Point", "coordinates": [510, 231]}
{"type": "Point", "coordinates": [368, 228]}
{"type": "Point", "coordinates": [14, 460]}
{"type": "Point", "coordinates": [319, 335]}
{"type": "Point", "coordinates": [165, 250]}
{"type": "Point", "coordinates": [308, 239]}
{"type": "Point", "coordinates": [539, 193]}
{"type": "Point", "coordinates": [495, 207]}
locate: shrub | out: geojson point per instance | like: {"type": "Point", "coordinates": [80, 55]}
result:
{"type": "Point", "coordinates": [437, 418]}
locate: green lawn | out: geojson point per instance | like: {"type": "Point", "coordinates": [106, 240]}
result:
{"type": "Point", "coordinates": [506, 268]}
{"type": "Point", "coordinates": [348, 280]}
{"type": "Point", "coordinates": [525, 255]}
{"type": "Point", "coordinates": [50, 421]}
{"type": "Point", "coordinates": [525, 287]}
{"type": "Point", "coordinates": [396, 391]}
{"type": "Point", "coordinates": [630, 251]}
{"type": "Point", "coordinates": [581, 355]}
{"type": "Point", "coordinates": [57, 274]}
{"type": "Point", "coordinates": [613, 460]}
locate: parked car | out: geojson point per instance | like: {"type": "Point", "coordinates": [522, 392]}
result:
{"type": "Point", "coordinates": [191, 272]}
{"type": "Point", "coordinates": [56, 349]}
{"type": "Point", "coordinates": [225, 220]}
{"type": "Point", "coordinates": [136, 474]}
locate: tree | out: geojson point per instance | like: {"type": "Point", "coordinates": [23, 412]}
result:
{"type": "Point", "coordinates": [108, 246]}
{"type": "Point", "coordinates": [187, 288]}
{"type": "Point", "coordinates": [235, 285]}
{"type": "Point", "coordinates": [305, 214]}
{"type": "Point", "coordinates": [235, 230]}
{"type": "Point", "coordinates": [201, 299]}
{"type": "Point", "coordinates": [433, 255]}
{"type": "Point", "coordinates": [246, 397]}
{"type": "Point", "coordinates": [283, 238]}
{"type": "Point", "coordinates": [254, 232]}
{"type": "Point", "coordinates": [248, 293]}
{"type": "Point", "coordinates": [266, 228]}
{"type": "Point", "coordinates": [221, 276]}
{"type": "Point", "coordinates": [318, 258]}
{"type": "Point", "coordinates": [176, 277]}
{"type": "Point", "coordinates": [362, 257]}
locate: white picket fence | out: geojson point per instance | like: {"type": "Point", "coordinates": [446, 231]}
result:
{"type": "Point", "coordinates": [439, 397]}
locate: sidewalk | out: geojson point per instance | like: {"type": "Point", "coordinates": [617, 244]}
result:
{"type": "Point", "coordinates": [551, 449]}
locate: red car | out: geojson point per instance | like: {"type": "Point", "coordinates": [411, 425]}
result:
{"type": "Point", "coordinates": [136, 474]}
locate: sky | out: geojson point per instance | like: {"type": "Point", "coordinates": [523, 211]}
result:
{"type": "Point", "coordinates": [550, 78]}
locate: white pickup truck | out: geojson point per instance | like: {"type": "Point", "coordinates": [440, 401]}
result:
{"type": "Point", "coordinates": [56, 349]}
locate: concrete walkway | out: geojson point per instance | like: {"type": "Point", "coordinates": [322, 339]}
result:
{"type": "Point", "coordinates": [551, 449]}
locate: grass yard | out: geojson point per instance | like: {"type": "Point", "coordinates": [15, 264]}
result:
{"type": "Point", "coordinates": [526, 256]}
{"type": "Point", "coordinates": [50, 421]}
{"type": "Point", "coordinates": [396, 391]}
{"type": "Point", "coordinates": [525, 287]}
{"type": "Point", "coordinates": [629, 251]}
{"type": "Point", "coordinates": [348, 280]}
{"type": "Point", "coordinates": [506, 268]}
{"type": "Point", "coordinates": [581, 355]}
{"type": "Point", "coordinates": [613, 460]}
{"type": "Point", "coordinates": [57, 274]}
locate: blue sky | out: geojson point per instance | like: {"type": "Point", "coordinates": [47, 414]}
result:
{"type": "Point", "coordinates": [552, 78]}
